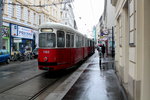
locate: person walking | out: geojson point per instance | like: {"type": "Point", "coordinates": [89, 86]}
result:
{"type": "Point", "coordinates": [103, 50]}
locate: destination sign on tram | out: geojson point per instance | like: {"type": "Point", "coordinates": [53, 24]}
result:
{"type": "Point", "coordinates": [46, 30]}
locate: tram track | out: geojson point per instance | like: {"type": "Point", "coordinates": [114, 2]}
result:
{"type": "Point", "coordinates": [35, 92]}
{"type": "Point", "coordinates": [34, 87]}
{"type": "Point", "coordinates": [21, 83]}
{"type": "Point", "coordinates": [29, 84]}
{"type": "Point", "coordinates": [42, 90]}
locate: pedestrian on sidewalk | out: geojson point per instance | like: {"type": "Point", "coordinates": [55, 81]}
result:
{"type": "Point", "coordinates": [98, 48]}
{"type": "Point", "coordinates": [103, 50]}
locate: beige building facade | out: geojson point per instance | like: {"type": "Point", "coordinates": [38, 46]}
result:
{"type": "Point", "coordinates": [132, 51]}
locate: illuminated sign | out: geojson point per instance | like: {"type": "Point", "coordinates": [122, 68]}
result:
{"type": "Point", "coordinates": [46, 30]}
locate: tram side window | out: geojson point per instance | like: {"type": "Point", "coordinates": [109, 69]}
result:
{"type": "Point", "coordinates": [72, 40]}
{"type": "Point", "coordinates": [82, 41]}
{"type": "Point", "coordinates": [67, 40]}
{"type": "Point", "coordinates": [77, 41]}
{"type": "Point", "coordinates": [88, 43]}
{"type": "Point", "coordinates": [60, 39]}
{"type": "Point", "coordinates": [85, 42]}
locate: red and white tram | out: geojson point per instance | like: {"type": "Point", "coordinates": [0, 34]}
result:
{"type": "Point", "coordinates": [61, 47]}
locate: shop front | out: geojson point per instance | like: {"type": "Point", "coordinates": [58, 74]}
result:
{"type": "Point", "coordinates": [22, 39]}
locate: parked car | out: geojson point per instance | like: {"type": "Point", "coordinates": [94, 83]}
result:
{"type": "Point", "coordinates": [4, 56]}
{"type": "Point", "coordinates": [35, 52]}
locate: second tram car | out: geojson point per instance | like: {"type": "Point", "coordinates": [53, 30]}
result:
{"type": "Point", "coordinates": [61, 46]}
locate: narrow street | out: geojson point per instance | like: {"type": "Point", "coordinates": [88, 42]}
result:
{"type": "Point", "coordinates": [24, 81]}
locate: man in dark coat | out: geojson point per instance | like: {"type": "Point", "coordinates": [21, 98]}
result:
{"type": "Point", "coordinates": [103, 50]}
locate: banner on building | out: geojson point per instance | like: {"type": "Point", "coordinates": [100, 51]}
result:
{"type": "Point", "coordinates": [21, 32]}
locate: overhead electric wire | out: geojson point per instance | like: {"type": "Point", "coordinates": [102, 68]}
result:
{"type": "Point", "coordinates": [44, 5]}
{"type": "Point", "coordinates": [92, 9]}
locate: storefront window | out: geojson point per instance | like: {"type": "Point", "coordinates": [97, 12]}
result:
{"type": "Point", "coordinates": [14, 47]}
{"type": "Point", "coordinates": [28, 45]}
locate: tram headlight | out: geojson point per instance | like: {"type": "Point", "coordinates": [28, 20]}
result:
{"type": "Point", "coordinates": [45, 59]}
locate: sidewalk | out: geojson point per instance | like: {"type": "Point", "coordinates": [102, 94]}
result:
{"type": "Point", "coordinates": [92, 83]}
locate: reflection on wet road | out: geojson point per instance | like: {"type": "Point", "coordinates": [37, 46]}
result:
{"type": "Point", "coordinates": [96, 84]}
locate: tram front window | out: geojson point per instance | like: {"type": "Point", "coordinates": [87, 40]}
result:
{"type": "Point", "coordinates": [47, 40]}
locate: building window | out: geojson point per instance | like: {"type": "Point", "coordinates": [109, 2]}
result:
{"type": "Point", "coordinates": [56, 14]}
{"type": "Point", "coordinates": [132, 28]}
{"type": "Point", "coordinates": [13, 11]}
{"type": "Point", "coordinates": [53, 12]}
{"type": "Point", "coordinates": [50, 10]}
{"type": "Point", "coordinates": [22, 13]}
{"type": "Point", "coordinates": [6, 8]}
{"type": "Point", "coordinates": [39, 2]}
{"type": "Point", "coordinates": [120, 30]}
{"type": "Point", "coordinates": [39, 19]}
{"type": "Point", "coordinates": [61, 14]}
{"type": "Point", "coordinates": [34, 18]}
{"type": "Point", "coordinates": [34, 2]}
{"type": "Point", "coordinates": [65, 15]}
{"type": "Point", "coordinates": [44, 18]}
{"type": "Point", "coordinates": [28, 15]}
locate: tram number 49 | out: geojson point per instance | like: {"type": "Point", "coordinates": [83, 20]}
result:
{"type": "Point", "coordinates": [46, 52]}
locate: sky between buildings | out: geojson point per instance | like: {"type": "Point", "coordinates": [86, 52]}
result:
{"type": "Point", "coordinates": [87, 14]}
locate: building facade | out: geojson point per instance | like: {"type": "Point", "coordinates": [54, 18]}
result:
{"type": "Point", "coordinates": [133, 46]}
{"type": "Point", "coordinates": [106, 24]}
{"type": "Point", "coordinates": [97, 35]}
{"type": "Point", "coordinates": [21, 19]}
{"type": "Point", "coordinates": [68, 17]}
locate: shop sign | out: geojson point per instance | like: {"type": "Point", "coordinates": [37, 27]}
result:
{"type": "Point", "coordinates": [22, 32]}
{"type": "Point", "coordinates": [14, 29]}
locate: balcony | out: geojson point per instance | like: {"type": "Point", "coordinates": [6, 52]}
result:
{"type": "Point", "coordinates": [114, 2]}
